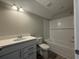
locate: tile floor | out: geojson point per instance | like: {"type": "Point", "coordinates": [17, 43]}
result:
{"type": "Point", "coordinates": [51, 56]}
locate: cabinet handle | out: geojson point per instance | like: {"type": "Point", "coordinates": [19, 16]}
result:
{"type": "Point", "coordinates": [30, 48]}
{"type": "Point", "coordinates": [20, 53]}
{"type": "Point", "coordinates": [1, 49]}
{"type": "Point", "coordinates": [30, 53]}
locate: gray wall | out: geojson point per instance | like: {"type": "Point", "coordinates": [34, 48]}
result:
{"type": "Point", "coordinates": [12, 22]}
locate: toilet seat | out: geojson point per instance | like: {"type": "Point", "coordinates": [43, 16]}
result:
{"type": "Point", "coordinates": [44, 46]}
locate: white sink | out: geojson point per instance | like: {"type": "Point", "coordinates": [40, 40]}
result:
{"type": "Point", "coordinates": [18, 39]}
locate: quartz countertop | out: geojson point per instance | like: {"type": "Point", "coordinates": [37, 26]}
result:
{"type": "Point", "coordinates": [6, 42]}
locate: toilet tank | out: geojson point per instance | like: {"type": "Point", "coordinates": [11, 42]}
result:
{"type": "Point", "coordinates": [39, 40]}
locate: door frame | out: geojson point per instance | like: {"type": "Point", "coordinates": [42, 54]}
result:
{"type": "Point", "coordinates": [76, 27]}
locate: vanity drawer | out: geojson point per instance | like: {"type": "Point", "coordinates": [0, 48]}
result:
{"type": "Point", "coordinates": [29, 49]}
{"type": "Point", "coordinates": [28, 43]}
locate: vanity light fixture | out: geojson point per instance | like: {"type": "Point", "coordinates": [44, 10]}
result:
{"type": "Point", "coordinates": [14, 7]}
{"type": "Point", "coordinates": [21, 9]}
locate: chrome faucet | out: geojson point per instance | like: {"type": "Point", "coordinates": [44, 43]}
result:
{"type": "Point", "coordinates": [19, 36]}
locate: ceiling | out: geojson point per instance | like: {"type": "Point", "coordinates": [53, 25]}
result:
{"type": "Point", "coordinates": [44, 8]}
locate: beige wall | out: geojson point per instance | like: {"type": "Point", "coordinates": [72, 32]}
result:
{"type": "Point", "coordinates": [12, 22]}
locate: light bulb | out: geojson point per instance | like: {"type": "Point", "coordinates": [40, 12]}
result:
{"type": "Point", "coordinates": [21, 9]}
{"type": "Point", "coordinates": [14, 7]}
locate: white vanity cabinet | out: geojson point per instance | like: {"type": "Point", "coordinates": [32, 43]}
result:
{"type": "Point", "coordinates": [23, 50]}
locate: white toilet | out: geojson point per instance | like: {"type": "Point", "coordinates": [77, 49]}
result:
{"type": "Point", "coordinates": [43, 50]}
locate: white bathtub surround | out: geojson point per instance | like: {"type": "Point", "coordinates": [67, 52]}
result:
{"type": "Point", "coordinates": [61, 33]}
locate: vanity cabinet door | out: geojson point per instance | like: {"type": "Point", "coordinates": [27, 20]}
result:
{"type": "Point", "coordinates": [29, 52]}
{"type": "Point", "coordinates": [31, 55]}
{"type": "Point", "coordinates": [12, 55]}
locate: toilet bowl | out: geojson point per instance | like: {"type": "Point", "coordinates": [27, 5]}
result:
{"type": "Point", "coordinates": [43, 48]}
